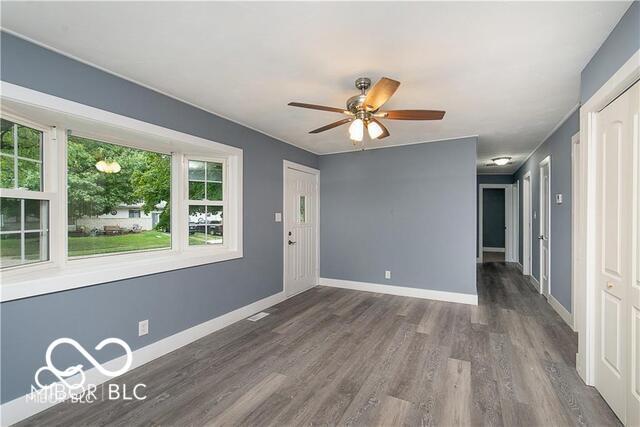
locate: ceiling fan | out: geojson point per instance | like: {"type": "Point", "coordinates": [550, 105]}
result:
{"type": "Point", "coordinates": [363, 110]}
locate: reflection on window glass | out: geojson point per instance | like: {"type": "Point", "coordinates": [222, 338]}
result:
{"type": "Point", "coordinates": [205, 225]}
{"type": "Point", "coordinates": [205, 180]}
{"type": "Point", "coordinates": [21, 154]}
{"type": "Point", "coordinates": [24, 231]}
{"type": "Point", "coordinates": [114, 194]}
{"type": "Point", "coordinates": [302, 211]}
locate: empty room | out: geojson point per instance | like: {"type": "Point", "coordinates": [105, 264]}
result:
{"type": "Point", "coordinates": [319, 213]}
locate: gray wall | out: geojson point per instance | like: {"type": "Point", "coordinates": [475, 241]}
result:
{"type": "Point", "coordinates": [488, 179]}
{"type": "Point", "coordinates": [172, 301]}
{"type": "Point", "coordinates": [493, 220]}
{"type": "Point", "coordinates": [558, 146]}
{"type": "Point", "coordinates": [407, 209]}
{"type": "Point", "coordinates": [623, 42]}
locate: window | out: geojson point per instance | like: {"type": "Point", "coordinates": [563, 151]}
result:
{"type": "Point", "coordinates": [104, 178]}
{"type": "Point", "coordinates": [88, 196]}
{"type": "Point", "coordinates": [302, 209]}
{"type": "Point", "coordinates": [24, 224]}
{"type": "Point", "coordinates": [206, 202]}
{"type": "Point", "coordinates": [21, 156]}
{"type": "Point", "coordinates": [24, 235]}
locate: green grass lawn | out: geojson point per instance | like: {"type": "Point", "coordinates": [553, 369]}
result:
{"type": "Point", "coordinates": [92, 245]}
{"type": "Point", "coordinates": [199, 239]}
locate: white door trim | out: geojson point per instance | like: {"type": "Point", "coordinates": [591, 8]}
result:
{"type": "Point", "coordinates": [586, 294]}
{"type": "Point", "coordinates": [576, 219]}
{"type": "Point", "coordinates": [507, 219]}
{"type": "Point", "coordinates": [527, 229]}
{"type": "Point", "coordinates": [286, 164]}
{"type": "Point", "coordinates": [546, 162]}
{"type": "Point", "coordinates": [515, 221]}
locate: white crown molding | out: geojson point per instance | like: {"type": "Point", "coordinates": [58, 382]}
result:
{"type": "Point", "coordinates": [401, 291]}
{"type": "Point", "coordinates": [356, 150]}
{"type": "Point", "coordinates": [555, 128]}
{"type": "Point", "coordinates": [146, 86]}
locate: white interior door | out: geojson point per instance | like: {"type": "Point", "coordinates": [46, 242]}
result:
{"type": "Point", "coordinates": [301, 230]}
{"type": "Point", "coordinates": [526, 224]}
{"type": "Point", "coordinates": [633, 385]}
{"type": "Point", "coordinates": [545, 227]}
{"type": "Point", "coordinates": [618, 299]}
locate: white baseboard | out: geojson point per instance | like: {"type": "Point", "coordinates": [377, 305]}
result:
{"type": "Point", "coordinates": [518, 266]}
{"type": "Point", "coordinates": [535, 282]}
{"type": "Point", "coordinates": [490, 249]}
{"type": "Point", "coordinates": [401, 291]}
{"type": "Point", "coordinates": [563, 312]}
{"type": "Point", "coordinates": [21, 408]}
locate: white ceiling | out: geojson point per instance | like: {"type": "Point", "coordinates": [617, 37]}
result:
{"type": "Point", "coordinates": [508, 72]}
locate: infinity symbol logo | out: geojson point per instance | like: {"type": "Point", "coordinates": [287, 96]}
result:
{"type": "Point", "coordinates": [78, 369]}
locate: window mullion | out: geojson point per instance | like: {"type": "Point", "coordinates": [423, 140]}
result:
{"type": "Point", "coordinates": [22, 235]}
{"type": "Point", "coordinates": [15, 156]}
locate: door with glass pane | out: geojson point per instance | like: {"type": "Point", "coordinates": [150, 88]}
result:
{"type": "Point", "coordinates": [301, 230]}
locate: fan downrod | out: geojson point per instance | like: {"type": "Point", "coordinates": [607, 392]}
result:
{"type": "Point", "coordinates": [363, 83]}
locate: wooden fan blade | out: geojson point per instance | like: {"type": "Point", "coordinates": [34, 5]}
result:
{"type": "Point", "coordinates": [413, 114]}
{"type": "Point", "coordinates": [380, 93]}
{"type": "Point", "coordinates": [385, 131]}
{"type": "Point", "coordinates": [317, 107]}
{"type": "Point", "coordinates": [331, 125]}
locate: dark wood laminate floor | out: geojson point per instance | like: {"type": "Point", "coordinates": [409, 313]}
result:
{"type": "Point", "coordinates": [333, 356]}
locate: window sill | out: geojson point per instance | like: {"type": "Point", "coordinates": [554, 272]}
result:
{"type": "Point", "coordinates": [43, 279]}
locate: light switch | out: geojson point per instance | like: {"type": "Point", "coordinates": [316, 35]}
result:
{"type": "Point", "coordinates": [278, 217]}
{"type": "Point", "coordinates": [559, 199]}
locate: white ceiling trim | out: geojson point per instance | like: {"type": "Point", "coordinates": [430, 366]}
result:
{"type": "Point", "coordinates": [146, 86]}
{"type": "Point", "coordinates": [477, 137]}
{"type": "Point", "coordinates": [555, 128]}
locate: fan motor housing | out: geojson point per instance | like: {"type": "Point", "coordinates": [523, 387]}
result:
{"type": "Point", "coordinates": [355, 102]}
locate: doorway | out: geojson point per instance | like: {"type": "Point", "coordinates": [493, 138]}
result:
{"type": "Point", "coordinates": [545, 227]}
{"type": "Point", "coordinates": [301, 214]}
{"type": "Point", "coordinates": [526, 224]}
{"type": "Point", "coordinates": [495, 223]}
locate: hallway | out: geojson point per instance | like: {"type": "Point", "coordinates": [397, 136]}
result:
{"type": "Point", "coordinates": [335, 356]}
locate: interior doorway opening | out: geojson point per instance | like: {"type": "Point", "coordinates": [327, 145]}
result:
{"type": "Point", "coordinates": [497, 213]}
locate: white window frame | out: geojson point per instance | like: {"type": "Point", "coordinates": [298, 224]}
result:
{"type": "Point", "coordinates": [61, 273]}
{"type": "Point", "coordinates": [47, 183]}
{"type": "Point", "coordinates": [205, 202]}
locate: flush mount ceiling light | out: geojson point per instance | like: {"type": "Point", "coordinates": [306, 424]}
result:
{"type": "Point", "coordinates": [501, 161]}
{"type": "Point", "coordinates": [363, 110]}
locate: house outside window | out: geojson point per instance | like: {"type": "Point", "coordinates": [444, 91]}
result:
{"type": "Point", "coordinates": [104, 178]}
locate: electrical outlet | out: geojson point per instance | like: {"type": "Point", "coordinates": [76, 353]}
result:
{"type": "Point", "coordinates": [387, 274]}
{"type": "Point", "coordinates": [278, 217]}
{"type": "Point", "coordinates": [143, 327]}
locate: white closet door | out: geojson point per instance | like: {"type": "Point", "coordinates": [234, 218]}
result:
{"type": "Point", "coordinates": [614, 252]}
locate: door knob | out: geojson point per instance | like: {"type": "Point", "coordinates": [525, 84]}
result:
{"type": "Point", "coordinates": [541, 237]}
{"type": "Point", "coordinates": [292, 242]}
{"type": "Point", "coordinates": [609, 285]}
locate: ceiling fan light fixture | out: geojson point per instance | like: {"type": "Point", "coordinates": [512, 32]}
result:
{"type": "Point", "coordinates": [374, 130]}
{"type": "Point", "coordinates": [356, 130]}
{"type": "Point", "coordinates": [501, 161]}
